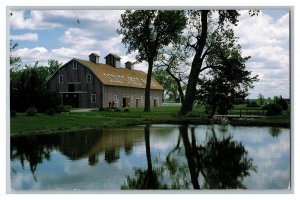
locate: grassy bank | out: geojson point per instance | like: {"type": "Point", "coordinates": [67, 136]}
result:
{"type": "Point", "coordinates": [22, 124]}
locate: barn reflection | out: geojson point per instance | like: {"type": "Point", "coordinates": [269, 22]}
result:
{"type": "Point", "coordinates": [87, 144]}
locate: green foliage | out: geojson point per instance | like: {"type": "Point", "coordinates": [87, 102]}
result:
{"type": "Point", "coordinates": [261, 99]}
{"type": "Point", "coordinates": [281, 101]}
{"type": "Point", "coordinates": [28, 86]}
{"type": "Point", "coordinates": [227, 80]}
{"type": "Point", "coordinates": [251, 104]}
{"type": "Point", "coordinates": [273, 109]}
{"type": "Point", "coordinates": [14, 61]}
{"type": "Point", "coordinates": [31, 111]}
{"type": "Point", "coordinates": [13, 113]}
{"type": "Point", "coordinates": [53, 65]}
{"type": "Point", "coordinates": [210, 42]}
{"type": "Point", "coordinates": [147, 31]}
{"type": "Point", "coordinates": [171, 90]}
{"type": "Point", "coordinates": [50, 111]}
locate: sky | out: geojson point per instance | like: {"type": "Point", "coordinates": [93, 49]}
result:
{"type": "Point", "coordinates": [67, 34]}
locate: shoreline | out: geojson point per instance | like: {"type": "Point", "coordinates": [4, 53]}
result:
{"type": "Point", "coordinates": [178, 121]}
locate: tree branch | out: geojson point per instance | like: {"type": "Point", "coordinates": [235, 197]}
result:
{"type": "Point", "coordinates": [212, 67]}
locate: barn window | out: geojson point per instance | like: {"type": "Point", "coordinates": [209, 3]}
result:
{"type": "Point", "coordinates": [88, 78]}
{"type": "Point", "coordinates": [74, 65]}
{"type": "Point", "coordinates": [60, 78]}
{"type": "Point", "coordinates": [93, 98]}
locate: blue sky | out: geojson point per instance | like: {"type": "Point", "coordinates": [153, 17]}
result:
{"type": "Point", "coordinates": [55, 34]}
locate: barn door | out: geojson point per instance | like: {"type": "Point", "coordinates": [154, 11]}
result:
{"type": "Point", "coordinates": [71, 99]}
{"type": "Point", "coordinates": [155, 102]}
{"type": "Point", "coordinates": [125, 102]}
{"type": "Point", "coordinates": [137, 103]}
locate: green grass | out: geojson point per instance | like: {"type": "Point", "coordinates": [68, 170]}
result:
{"type": "Point", "coordinates": [96, 119]}
{"type": "Point", "coordinates": [22, 124]}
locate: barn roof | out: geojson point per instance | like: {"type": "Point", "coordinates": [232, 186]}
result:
{"type": "Point", "coordinates": [114, 55]}
{"type": "Point", "coordinates": [109, 75]}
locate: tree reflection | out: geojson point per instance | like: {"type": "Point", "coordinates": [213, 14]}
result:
{"type": "Point", "coordinates": [216, 163]}
{"type": "Point", "coordinates": [224, 163]}
{"type": "Point", "coordinates": [34, 149]}
{"type": "Point", "coordinates": [275, 131]}
{"type": "Point", "coordinates": [145, 179]}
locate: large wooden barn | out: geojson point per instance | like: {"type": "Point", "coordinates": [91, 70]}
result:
{"type": "Point", "coordinates": [90, 84]}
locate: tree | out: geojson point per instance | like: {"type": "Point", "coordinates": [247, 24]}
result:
{"type": "Point", "coordinates": [147, 31]}
{"type": "Point", "coordinates": [28, 88]}
{"type": "Point", "coordinates": [53, 65]}
{"type": "Point", "coordinates": [174, 59]}
{"type": "Point", "coordinates": [227, 81]}
{"type": "Point", "coordinates": [198, 31]}
{"type": "Point", "coordinates": [171, 88]}
{"type": "Point", "coordinates": [281, 101]}
{"type": "Point", "coordinates": [14, 61]}
{"type": "Point", "coordinates": [261, 99]}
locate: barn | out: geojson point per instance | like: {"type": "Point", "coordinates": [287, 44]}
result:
{"type": "Point", "coordinates": [90, 84]}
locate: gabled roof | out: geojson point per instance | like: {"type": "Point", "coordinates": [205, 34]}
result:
{"type": "Point", "coordinates": [114, 55]}
{"type": "Point", "coordinates": [95, 54]}
{"type": "Point", "coordinates": [109, 75]}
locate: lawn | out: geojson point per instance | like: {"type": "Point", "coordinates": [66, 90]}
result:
{"type": "Point", "coordinates": [95, 119]}
{"type": "Point", "coordinates": [22, 124]}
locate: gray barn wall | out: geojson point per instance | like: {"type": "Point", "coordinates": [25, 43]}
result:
{"type": "Point", "coordinates": [116, 94]}
{"type": "Point", "coordinates": [71, 75]}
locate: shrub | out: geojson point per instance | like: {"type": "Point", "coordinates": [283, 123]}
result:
{"type": "Point", "coordinates": [13, 113]}
{"type": "Point", "coordinates": [273, 109]}
{"type": "Point", "coordinates": [252, 104]}
{"type": "Point", "coordinates": [50, 111]}
{"type": "Point", "coordinates": [101, 109]}
{"type": "Point", "coordinates": [284, 104]}
{"type": "Point", "coordinates": [117, 110]}
{"type": "Point", "coordinates": [126, 109]}
{"type": "Point", "coordinates": [222, 109]}
{"type": "Point", "coordinates": [31, 111]}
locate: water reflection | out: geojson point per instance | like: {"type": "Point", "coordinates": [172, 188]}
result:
{"type": "Point", "coordinates": [34, 149]}
{"type": "Point", "coordinates": [222, 163]}
{"type": "Point", "coordinates": [275, 131]}
{"type": "Point", "coordinates": [148, 178]}
{"type": "Point", "coordinates": [153, 157]}
{"type": "Point", "coordinates": [74, 145]}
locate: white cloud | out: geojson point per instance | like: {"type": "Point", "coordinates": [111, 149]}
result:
{"type": "Point", "coordinates": [25, 37]}
{"type": "Point", "coordinates": [95, 33]}
{"type": "Point", "coordinates": [266, 40]}
{"type": "Point", "coordinates": [33, 22]}
{"type": "Point", "coordinates": [40, 54]}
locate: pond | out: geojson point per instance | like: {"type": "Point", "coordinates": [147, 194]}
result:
{"type": "Point", "coordinates": [153, 157]}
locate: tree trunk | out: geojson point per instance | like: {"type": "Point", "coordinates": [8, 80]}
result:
{"type": "Point", "coordinates": [148, 151]}
{"type": "Point", "coordinates": [187, 104]}
{"type": "Point", "coordinates": [177, 80]}
{"type": "Point", "coordinates": [148, 86]}
{"type": "Point", "coordinates": [190, 157]}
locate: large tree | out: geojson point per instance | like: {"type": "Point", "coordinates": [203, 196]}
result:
{"type": "Point", "coordinates": [201, 23]}
{"type": "Point", "coordinates": [174, 61]}
{"type": "Point", "coordinates": [28, 87]}
{"type": "Point", "coordinates": [14, 60]}
{"type": "Point", "coordinates": [148, 31]}
{"type": "Point", "coordinates": [227, 80]}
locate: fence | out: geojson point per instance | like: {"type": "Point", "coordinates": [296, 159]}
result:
{"type": "Point", "coordinates": [171, 104]}
{"type": "Point", "coordinates": [258, 112]}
